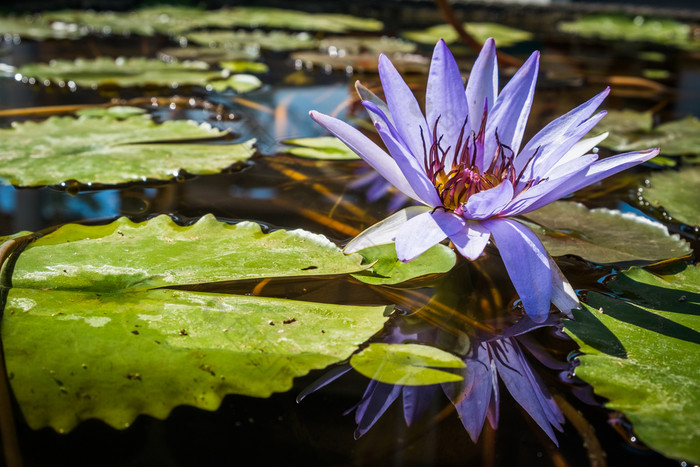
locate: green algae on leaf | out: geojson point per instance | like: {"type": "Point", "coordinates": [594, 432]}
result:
{"type": "Point", "coordinates": [387, 269]}
{"type": "Point", "coordinates": [503, 35]}
{"type": "Point", "coordinates": [107, 150]}
{"type": "Point", "coordinates": [138, 256]}
{"type": "Point", "coordinates": [76, 355]}
{"type": "Point", "coordinates": [603, 236]}
{"type": "Point", "coordinates": [320, 147]}
{"type": "Point", "coordinates": [648, 368]}
{"type": "Point", "coordinates": [677, 192]}
{"type": "Point", "coordinates": [406, 364]}
{"type": "Point", "coordinates": [123, 72]}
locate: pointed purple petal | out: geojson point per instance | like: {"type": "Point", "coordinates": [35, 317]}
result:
{"type": "Point", "coordinates": [404, 108]}
{"type": "Point", "coordinates": [385, 231]}
{"type": "Point", "coordinates": [425, 230]}
{"type": "Point", "coordinates": [445, 99]}
{"type": "Point", "coordinates": [416, 400]}
{"type": "Point", "coordinates": [487, 203]}
{"type": "Point", "coordinates": [367, 150]}
{"type": "Point", "coordinates": [482, 86]}
{"type": "Point", "coordinates": [471, 240]}
{"type": "Point", "coordinates": [368, 96]}
{"type": "Point", "coordinates": [527, 264]}
{"type": "Point", "coordinates": [324, 380]}
{"type": "Point", "coordinates": [376, 401]}
{"type": "Point", "coordinates": [509, 114]}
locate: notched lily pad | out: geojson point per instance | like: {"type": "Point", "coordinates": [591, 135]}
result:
{"type": "Point", "coordinates": [603, 236]}
{"type": "Point", "coordinates": [105, 150]}
{"type": "Point", "coordinates": [653, 381]}
{"type": "Point", "coordinates": [387, 269]}
{"type": "Point", "coordinates": [677, 192]}
{"type": "Point", "coordinates": [321, 147]}
{"type": "Point", "coordinates": [406, 364]}
{"type": "Point", "coordinates": [503, 35]}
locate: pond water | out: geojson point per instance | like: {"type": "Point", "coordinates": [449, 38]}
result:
{"type": "Point", "coordinates": [283, 191]}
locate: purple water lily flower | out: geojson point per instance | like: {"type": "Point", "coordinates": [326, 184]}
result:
{"type": "Point", "coordinates": [464, 162]}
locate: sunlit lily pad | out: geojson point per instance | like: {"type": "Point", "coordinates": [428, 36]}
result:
{"type": "Point", "coordinates": [88, 333]}
{"type": "Point", "coordinates": [253, 40]}
{"type": "Point", "coordinates": [633, 28]}
{"type": "Point", "coordinates": [209, 55]}
{"type": "Point", "coordinates": [678, 192]}
{"type": "Point", "coordinates": [348, 44]}
{"type": "Point", "coordinates": [108, 151]}
{"type": "Point", "coordinates": [240, 83]}
{"type": "Point", "coordinates": [36, 27]}
{"type": "Point", "coordinates": [406, 364]}
{"type": "Point", "coordinates": [321, 147]}
{"type": "Point", "coordinates": [244, 66]}
{"type": "Point", "coordinates": [604, 236]}
{"type": "Point", "coordinates": [138, 256]}
{"type": "Point", "coordinates": [136, 71]}
{"type": "Point", "coordinates": [503, 35]}
{"type": "Point", "coordinates": [643, 356]}
{"type": "Point", "coordinates": [387, 269]}
{"type": "Point", "coordinates": [360, 62]}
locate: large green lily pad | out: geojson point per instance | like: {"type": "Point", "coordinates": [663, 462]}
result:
{"type": "Point", "coordinates": [124, 72]}
{"type": "Point", "coordinates": [88, 333]}
{"type": "Point", "coordinates": [678, 192]}
{"type": "Point", "coordinates": [406, 364]}
{"type": "Point", "coordinates": [633, 29]}
{"type": "Point", "coordinates": [503, 35]}
{"type": "Point", "coordinates": [136, 256]}
{"type": "Point", "coordinates": [643, 356]}
{"type": "Point", "coordinates": [603, 236]}
{"type": "Point", "coordinates": [108, 150]}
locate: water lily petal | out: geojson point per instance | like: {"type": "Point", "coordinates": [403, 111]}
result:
{"type": "Point", "coordinates": [425, 230]}
{"type": "Point", "coordinates": [549, 137]}
{"type": "Point", "coordinates": [404, 109]}
{"type": "Point", "coordinates": [482, 85]}
{"type": "Point", "coordinates": [377, 398]}
{"type": "Point", "coordinates": [416, 400]}
{"type": "Point", "coordinates": [445, 100]}
{"type": "Point", "coordinates": [563, 295]}
{"type": "Point", "coordinates": [411, 168]}
{"type": "Point", "coordinates": [367, 150]}
{"type": "Point", "coordinates": [367, 95]}
{"type": "Point", "coordinates": [579, 149]}
{"type": "Point", "coordinates": [383, 232]}
{"type": "Point", "coordinates": [471, 240]}
{"type": "Point", "coordinates": [509, 114]}
{"type": "Point", "coordinates": [527, 264]}
{"type": "Point", "coordinates": [485, 204]}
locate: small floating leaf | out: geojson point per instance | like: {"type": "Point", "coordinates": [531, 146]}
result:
{"type": "Point", "coordinates": [503, 35]}
{"type": "Point", "coordinates": [109, 151]}
{"type": "Point", "coordinates": [406, 364]}
{"type": "Point", "coordinates": [239, 82]}
{"type": "Point", "coordinates": [648, 370]}
{"type": "Point", "coordinates": [388, 269]}
{"type": "Point", "coordinates": [321, 147]}
{"type": "Point", "coordinates": [678, 192]}
{"type": "Point", "coordinates": [603, 236]}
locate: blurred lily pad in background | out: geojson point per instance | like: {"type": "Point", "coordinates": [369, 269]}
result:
{"type": "Point", "coordinates": [677, 192]}
{"type": "Point", "coordinates": [504, 36]}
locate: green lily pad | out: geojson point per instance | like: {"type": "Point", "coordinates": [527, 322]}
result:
{"type": "Point", "coordinates": [209, 55]}
{"type": "Point", "coordinates": [88, 332]}
{"type": "Point", "coordinates": [603, 236]}
{"type": "Point", "coordinates": [388, 269]}
{"type": "Point", "coordinates": [503, 35]}
{"type": "Point", "coordinates": [244, 40]}
{"type": "Point", "coordinates": [123, 72]}
{"type": "Point", "coordinates": [119, 112]}
{"type": "Point", "coordinates": [36, 27]}
{"type": "Point", "coordinates": [633, 29]}
{"type": "Point", "coordinates": [109, 151]}
{"type": "Point", "coordinates": [320, 147]}
{"type": "Point", "coordinates": [76, 355]}
{"type": "Point", "coordinates": [643, 356]}
{"type": "Point", "coordinates": [377, 45]}
{"type": "Point", "coordinates": [361, 62]}
{"type": "Point", "coordinates": [677, 192]}
{"type": "Point", "coordinates": [406, 364]}
{"type": "Point", "coordinates": [154, 254]}
{"type": "Point", "coordinates": [244, 66]}
{"type": "Point", "coordinates": [240, 83]}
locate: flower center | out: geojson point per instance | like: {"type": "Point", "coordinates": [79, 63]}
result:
{"type": "Point", "coordinates": [467, 173]}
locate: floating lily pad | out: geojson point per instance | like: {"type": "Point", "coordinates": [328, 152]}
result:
{"type": "Point", "coordinates": [253, 40]}
{"type": "Point", "coordinates": [244, 66]}
{"type": "Point", "coordinates": [108, 151]}
{"type": "Point", "coordinates": [643, 356]}
{"type": "Point", "coordinates": [239, 82]}
{"type": "Point", "coordinates": [603, 236]}
{"type": "Point", "coordinates": [677, 192]}
{"type": "Point", "coordinates": [362, 62]}
{"type": "Point", "coordinates": [154, 254]}
{"type": "Point", "coordinates": [321, 147]}
{"type": "Point", "coordinates": [503, 35]}
{"type": "Point", "coordinates": [36, 27]}
{"type": "Point", "coordinates": [207, 54]}
{"type": "Point", "coordinates": [342, 45]}
{"type": "Point", "coordinates": [406, 364]}
{"type": "Point", "coordinates": [88, 333]}
{"type": "Point", "coordinates": [388, 269]}
{"type": "Point", "coordinates": [633, 29]}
